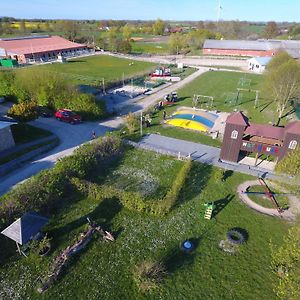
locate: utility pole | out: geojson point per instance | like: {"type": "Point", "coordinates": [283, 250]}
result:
{"type": "Point", "coordinates": [103, 86]}
{"type": "Point", "coordinates": [141, 123]}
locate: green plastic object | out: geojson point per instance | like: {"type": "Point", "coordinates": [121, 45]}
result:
{"type": "Point", "coordinates": [209, 210]}
{"type": "Point", "coordinates": [8, 63]}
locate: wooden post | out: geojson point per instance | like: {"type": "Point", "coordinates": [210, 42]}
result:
{"type": "Point", "coordinates": [18, 247]}
{"type": "Point", "coordinates": [256, 158]}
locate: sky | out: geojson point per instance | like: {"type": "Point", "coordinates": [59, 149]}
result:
{"type": "Point", "coordinates": [249, 10]}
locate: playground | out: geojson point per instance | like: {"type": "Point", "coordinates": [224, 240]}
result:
{"type": "Point", "coordinates": [198, 119]}
{"type": "Point", "coordinates": [187, 243]}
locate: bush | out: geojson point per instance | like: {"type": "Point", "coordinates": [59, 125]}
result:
{"type": "Point", "coordinates": [148, 275]}
{"type": "Point", "coordinates": [23, 112]}
{"type": "Point", "coordinates": [132, 123]}
{"type": "Point", "coordinates": [44, 191]}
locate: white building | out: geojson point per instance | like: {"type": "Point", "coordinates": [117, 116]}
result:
{"type": "Point", "coordinates": [258, 64]}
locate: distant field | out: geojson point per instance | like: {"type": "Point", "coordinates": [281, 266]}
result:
{"type": "Point", "coordinates": [256, 28]}
{"type": "Point", "coordinates": [91, 70]}
{"type": "Point", "coordinates": [151, 48]}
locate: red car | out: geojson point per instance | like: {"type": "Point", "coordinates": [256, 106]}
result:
{"type": "Point", "coordinates": [68, 116]}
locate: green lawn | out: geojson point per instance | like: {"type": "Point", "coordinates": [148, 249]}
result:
{"type": "Point", "coordinates": [150, 48]}
{"type": "Point", "coordinates": [24, 133]}
{"type": "Point", "coordinates": [103, 270]}
{"type": "Point", "coordinates": [91, 70]}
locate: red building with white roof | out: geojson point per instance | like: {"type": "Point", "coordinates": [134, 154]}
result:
{"type": "Point", "coordinates": [39, 48]}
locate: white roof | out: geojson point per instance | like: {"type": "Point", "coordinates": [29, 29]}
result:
{"type": "Point", "coordinates": [4, 124]}
{"type": "Point", "coordinates": [263, 61]}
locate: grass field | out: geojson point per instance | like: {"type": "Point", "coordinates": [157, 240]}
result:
{"type": "Point", "coordinates": [91, 70]}
{"type": "Point", "coordinates": [222, 85]}
{"type": "Point", "coordinates": [104, 270]}
{"type": "Point", "coordinates": [150, 48]}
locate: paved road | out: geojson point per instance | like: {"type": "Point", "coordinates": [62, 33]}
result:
{"type": "Point", "coordinates": [72, 136]}
{"type": "Point", "coordinates": [198, 152]}
{"type": "Point", "coordinates": [189, 60]}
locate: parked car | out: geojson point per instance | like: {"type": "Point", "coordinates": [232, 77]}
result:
{"type": "Point", "coordinates": [44, 111]}
{"type": "Point", "coordinates": [68, 116]}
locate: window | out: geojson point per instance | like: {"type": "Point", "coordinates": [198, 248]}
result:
{"type": "Point", "coordinates": [293, 144]}
{"type": "Point", "coordinates": [234, 134]}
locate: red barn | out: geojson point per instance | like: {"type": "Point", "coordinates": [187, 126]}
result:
{"type": "Point", "coordinates": [39, 48]}
{"type": "Point", "coordinates": [259, 48]}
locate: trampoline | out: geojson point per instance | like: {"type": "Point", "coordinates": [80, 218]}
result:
{"type": "Point", "coordinates": [193, 119]}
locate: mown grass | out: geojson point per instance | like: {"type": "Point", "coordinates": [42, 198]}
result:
{"type": "Point", "coordinates": [104, 270]}
{"type": "Point", "coordinates": [150, 48]}
{"type": "Point", "coordinates": [91, 70]}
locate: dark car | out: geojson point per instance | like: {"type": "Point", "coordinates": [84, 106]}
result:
{"type": "Point", "coordinates": [68, 116]}
{"type": "Point", "coordinates": [44, 111]}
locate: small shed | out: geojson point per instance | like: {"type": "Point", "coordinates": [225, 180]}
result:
{"type": "Point", "coordinates": [25, 228]}
{"type": "Point", "coordinates": [258, 64]}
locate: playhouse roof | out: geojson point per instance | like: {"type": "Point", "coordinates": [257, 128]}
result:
{"type": "Point", "coordinates": [238, 118]}
{"type": "Point", "coordinates": [293, 127]}
{"type": "Point", "coordinates": [267, 131]}
{"type": "Point", "coordinates": [25, 228]}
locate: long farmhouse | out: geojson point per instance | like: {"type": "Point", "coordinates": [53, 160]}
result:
{"type": "Point", "coordinates": [258, 48]}
{"type": "Point", "coordinates": [39, 48]}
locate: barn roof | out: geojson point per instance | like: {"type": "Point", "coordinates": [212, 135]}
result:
{"type": "Point", "coordinates": [29, 45]}
{"type": "Point", "coordinates": [267, 131]}
{"type": "Point", "coordinates": [291, 46]}
{"type": "Point", "coordinates": [237, 118]}
{"type": "Point", "coordinates": [25, 228]}
{"type": "Point", "coordinates": [261, 45]}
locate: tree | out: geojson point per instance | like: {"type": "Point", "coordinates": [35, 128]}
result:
{"type": "Point", "coordinates": [271, 30]}
{"type": "Point", "coordinates": [70, 29]}
{"type": "Point", "coordinates": [290, 164]}
{"type": "Point", "coordinates": [283, 85]}
{"type": "Point", "coordinates": [127, 32]}
{"type": "Point", "coordinates": [124, 47]}
{"type": "Point", "coordinates": [158, 27]}
{"type": "Point", "coordinates": [112, 39]}
{"type": "Point", "coordinates": [177, 42]}
{"type": "Point", "coordinates": [280, 58]}
{"type": "Point", "coordinates": [22, 27]}
{"type": "Point", "coordinates": [286, 264]}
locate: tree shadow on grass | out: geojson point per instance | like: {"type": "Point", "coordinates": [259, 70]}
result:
{"type": "Point", "coordinates": [178, 258]}
{"type": "Point", "coordinates": [196, 181]}
{"type": "Point", "coordinates": [221, 204]}
{"type": "Point", "coordinates": [265, 106]}
{"type": "Point", "coordinates": [102, 215]}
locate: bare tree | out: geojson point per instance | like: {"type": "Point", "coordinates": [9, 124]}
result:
{"type": "Point", "coordinates": [283, 85]}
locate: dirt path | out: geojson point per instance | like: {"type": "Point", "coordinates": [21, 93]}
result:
{"type": "Point", "coordinates": [289, 214]}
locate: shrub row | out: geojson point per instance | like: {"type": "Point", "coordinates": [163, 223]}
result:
{"type": "Point", "coordinates": [133, 200]}
{"type": "Point", "coordinates": [44, 191]}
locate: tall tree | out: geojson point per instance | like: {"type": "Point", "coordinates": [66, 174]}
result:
{"type": "Point", "coordinates": [271, 30]}
{"type": "Point", "coordinates": [286, 264]}
{"type": "Point", "coordinates": [176, 43]}
{"type": "Point", "coordinates": [290, 164]}
{"type": "Point", "coordinates": [159, 27]}
{"type": "Point", "coordinates": [280, 58]}
{"type": "Point", "coordinates": [112, 39]}
{"type": "Point", "coordinates": [70, 29]}
{"type": "Point", "coordinates": [127, 32]}
{"type": "Point", "coordinates": [283, 85]}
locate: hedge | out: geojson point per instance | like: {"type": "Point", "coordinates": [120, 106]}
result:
{"type": "Point", "coordinates": [133, 200]}
{"type": "Point", "coordinates": [44, 191]}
